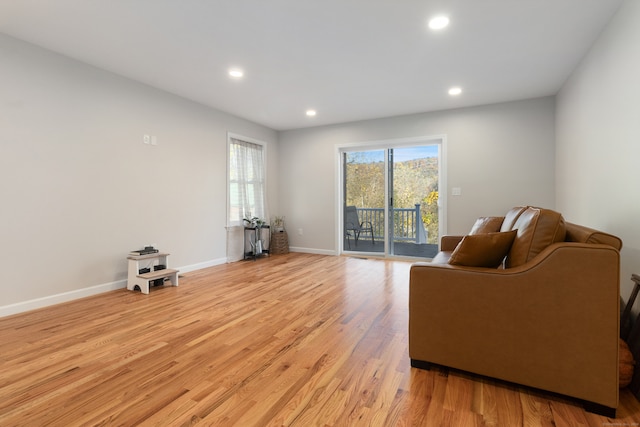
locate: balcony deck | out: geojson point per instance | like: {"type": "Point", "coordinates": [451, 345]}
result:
{"type": "Point", "coordinates": [414, 250]}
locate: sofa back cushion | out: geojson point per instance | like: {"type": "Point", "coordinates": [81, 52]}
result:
{"type": "Point", "coordinates": [511, 217]}
{"type": "Point", "coordinates": [487, 224]}
{"type": "Point", "coordinates": [537, 228]}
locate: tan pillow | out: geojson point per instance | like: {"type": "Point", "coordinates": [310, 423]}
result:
{"type": "Point", "coordinates": [487, 224]}
{"type": "Point", "coordinates": [483, 250]}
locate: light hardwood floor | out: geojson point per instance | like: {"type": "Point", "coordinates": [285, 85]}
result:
{"type": "Point", "coordinates": [298, 339]}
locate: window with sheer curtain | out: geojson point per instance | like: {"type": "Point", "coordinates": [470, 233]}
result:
{"type": "Point", "coordinates": [246, 181]}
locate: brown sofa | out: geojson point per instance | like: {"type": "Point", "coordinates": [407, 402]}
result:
{"type": "Point", "coordinates": [547, 316]}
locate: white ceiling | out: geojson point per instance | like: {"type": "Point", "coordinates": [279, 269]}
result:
{"type": "Point", "coordinates": [348, 59]}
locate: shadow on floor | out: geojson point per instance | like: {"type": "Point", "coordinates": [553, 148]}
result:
{"type": "Point", "coordinates": [415, 250]}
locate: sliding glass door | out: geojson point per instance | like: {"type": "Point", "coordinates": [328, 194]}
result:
{"type": "Point", "coordinates": [390, 200]}
{"type": "Point", "coordinates": [413, 202]}
{"type": "Point", "coordinates": [364, 201]}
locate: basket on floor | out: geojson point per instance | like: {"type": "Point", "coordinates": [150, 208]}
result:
{"type": "Point", "coordinates": [279, 243]}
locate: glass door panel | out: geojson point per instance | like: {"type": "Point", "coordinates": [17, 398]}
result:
{"type": "Point", "coordinates": [413, 205]}
{"type": "Point", "coordinates": [364, 201]}
{"type": "Point", "coordinates": [390, 201]}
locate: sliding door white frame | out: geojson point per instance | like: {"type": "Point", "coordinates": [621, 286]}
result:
{"type": "Point", "coordinates": [440, 140]}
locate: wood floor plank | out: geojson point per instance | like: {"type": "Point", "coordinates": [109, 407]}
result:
{"type": "Point", "coordinates": [289, 340]}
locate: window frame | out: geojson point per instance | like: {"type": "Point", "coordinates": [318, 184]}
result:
{"type": "Point", "coordinates": [230, 137]}
{"type": "Point", "coordinates": [341, 148]}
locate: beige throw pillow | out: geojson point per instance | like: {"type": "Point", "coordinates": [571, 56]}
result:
{"type": "Point", "coordinates": [483, 250]}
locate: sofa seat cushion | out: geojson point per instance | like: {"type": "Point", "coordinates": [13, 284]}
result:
{"type": "Point", "coordinates": [483, 250]}
{"type": "Point", "coordinates": [536, 229]}
{"type": "Point", "coordinates": [487, 224]}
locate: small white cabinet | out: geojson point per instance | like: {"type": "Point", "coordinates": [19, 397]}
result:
{"type": "Point", "coordinates": [152, 262]}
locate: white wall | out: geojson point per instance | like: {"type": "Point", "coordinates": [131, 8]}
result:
{"type": "Point", "coordinates": [501, 156]}
{"type": "Point", "coordinates": [598, 138]}
{"type": "Point", "coordinates": [79, 189]}
{"type": "Point", "coordinates": [72, 163]}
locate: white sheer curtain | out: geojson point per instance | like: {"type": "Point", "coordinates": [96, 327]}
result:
{"type": "Point", "coordinates": [247, 189]}
{"type": "Point", "coordinates": [246, 181]}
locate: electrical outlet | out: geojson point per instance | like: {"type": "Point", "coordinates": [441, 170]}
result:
{"type": "Point", "coordinates": [146, 139]}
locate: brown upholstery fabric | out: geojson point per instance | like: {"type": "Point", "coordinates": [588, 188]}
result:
{"type": "Point", "coordinates": [552, 324]}
{"type": "Point", "coordinates": [449, 243]}
{"type": "Point", "coordinates": [483, 250]}
{"type": "Point", "coordinates": [537, 229]}
{"type": "Point", "coordinates": [580, 234]}
{"type": "Point", "coordinates": [511, 217]}
{"type": "Point", "coordinates": [487, 224]}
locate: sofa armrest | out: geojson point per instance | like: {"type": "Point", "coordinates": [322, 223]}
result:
{"type": "Point", "coordinates": [551, 323]}
{"type": "Point", "coordinates": [449, 243]}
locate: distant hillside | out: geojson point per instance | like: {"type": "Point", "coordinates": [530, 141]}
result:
{"type": "Point", "coordinates": [414, 182]}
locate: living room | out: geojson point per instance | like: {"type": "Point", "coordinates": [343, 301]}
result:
{"type": "Point", "coordinates": [74, 161]}
{"type": "Point", "coordinates": [81, 188]}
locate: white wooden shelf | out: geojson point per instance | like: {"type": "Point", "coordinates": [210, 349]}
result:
{"type": "Point", "coordinates": [141, 280]}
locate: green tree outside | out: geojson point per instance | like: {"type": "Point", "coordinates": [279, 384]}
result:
{"type": "Point", "coordinates": [415, 182]}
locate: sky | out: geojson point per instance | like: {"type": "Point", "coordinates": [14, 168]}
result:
{"type": "Point", "coordinates": [399, 154]}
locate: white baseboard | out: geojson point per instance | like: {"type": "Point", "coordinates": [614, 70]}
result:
{"type": "Point", "coordinates": [201, 265]}
{"type": "Point", "coordinates": [21, 307]}
{"type": "Point", "coordinates": [312, 251]}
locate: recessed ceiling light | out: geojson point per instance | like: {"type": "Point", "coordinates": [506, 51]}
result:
{"type": "Point", "coordinates": [236, 73]}
{"type": "Point", "coordinates": [438, 22]}
{"type": "Point", "coordinates": [455, 91]}
{"type": "Point", "coordinates": [311, 113]}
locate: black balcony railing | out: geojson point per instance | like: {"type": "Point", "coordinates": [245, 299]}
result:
{"type": "Point", "coordinates": [407, 223]}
